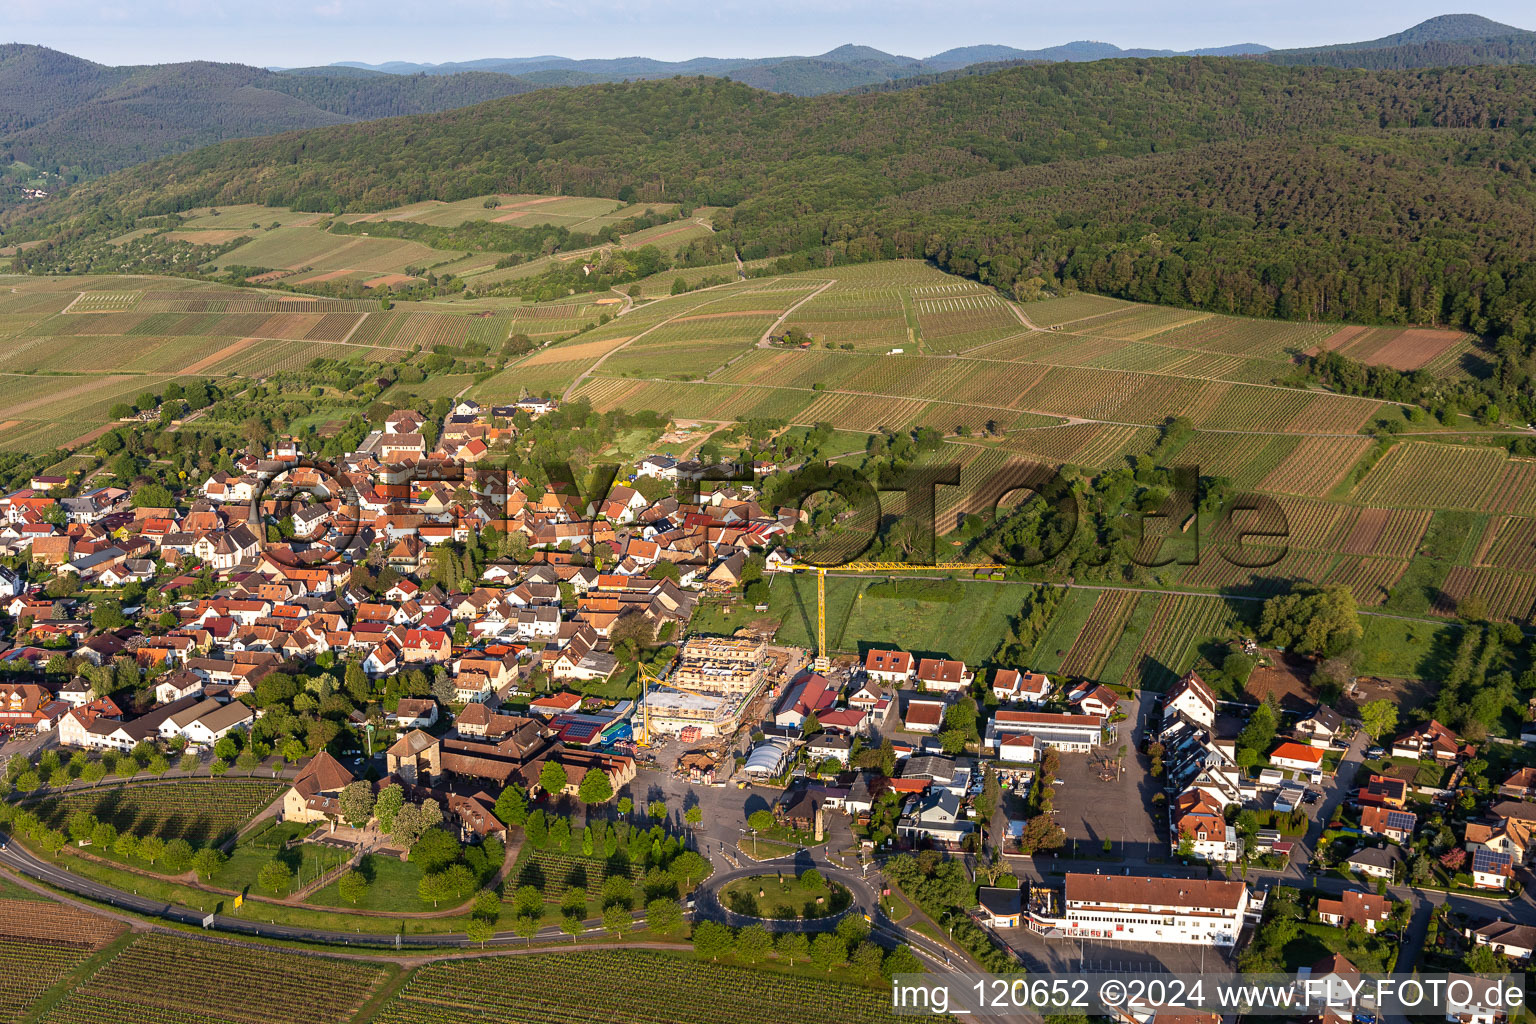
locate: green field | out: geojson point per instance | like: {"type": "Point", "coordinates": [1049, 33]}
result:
{"type": "Point", "coordinates": [855, 622]}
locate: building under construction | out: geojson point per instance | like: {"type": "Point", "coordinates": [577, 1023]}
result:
{"type": "Point", "coordinates": [724, 666]}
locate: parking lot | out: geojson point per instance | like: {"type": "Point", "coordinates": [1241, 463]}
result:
{"type": "Point", "coordinates": [1070, 955]}
{"type": "Point", "coordinates": [1092, 810]}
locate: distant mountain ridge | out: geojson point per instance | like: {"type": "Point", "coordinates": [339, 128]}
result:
{"type": "Point", "coordinates": [839, 61]}
{"type": "Point", "coordinates": [1451, 40]}
{"type": "Point", "coordinates": [60, 114]}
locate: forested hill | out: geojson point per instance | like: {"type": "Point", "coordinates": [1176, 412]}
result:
{"type": "Point", "coordinates": [1452, 40]}
{"type": "Point", "coordinates": [63, 114]}
{"type": "Point", "coordinates": [1228, 184]}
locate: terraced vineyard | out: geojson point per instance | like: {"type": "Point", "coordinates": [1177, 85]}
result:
{"type": "Point", "coordinates": [198, 982]}
{"type": "Point", "coordinates": [624, 987]}
{"type": "Point", "coordinates": [1421, 474]}
{"type": "Point", "coordinates": [554, 872]}
{"type": "Point", "coordinates": [40, 944]}
{"type": "Point", "coordinates": [1166, 648]}
{"type": "Point", "coordinates": [201, 812]}
{"type": "Point", "coordinates": [1094, 643]}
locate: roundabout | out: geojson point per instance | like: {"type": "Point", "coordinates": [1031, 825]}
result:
{"type": "Point", "coordinates": [785, 896]}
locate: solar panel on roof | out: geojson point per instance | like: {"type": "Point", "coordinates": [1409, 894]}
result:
{"type": "Point", "coordinates": [1488, 861]}
{"type": "Point", "coordinates": [1403, 820]}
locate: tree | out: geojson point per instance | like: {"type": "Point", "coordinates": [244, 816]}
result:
{"type": "Point", "coordinates": [1312, 620]}
{"type": "Point", "coordinates": [390, 800]}
{"type": "Point", "coordinates": [810, 726]}
{"type": "Point", "coordinates": [713, 940]}
{"type": "Point", "coordinates": [753, 944]}
{"type": "Point", "coordinates": [151, 849]}
{"type": "Point", "coordinates": [595, 787]}
{"type": "Point", "coordinates": [626, 806]}
{"type": "Point", "coordinates": [177, 856]}
{"type": "Point", "coordinates": [694, 815]}
{"type": "Point", "coordinates": [1378, 718]}
{"type": "Point", "coordinates": [664, 916]}
{"type": "Point", "coordinates": [352, 886]}
{"type": "Point", "coordinates": [104, 835]}
{"type": "Point", "coordinates": [794, 946]}
{"type": "Point", "coordinates": [1483, 960]}
{"type": "Point", "coordinates": [274, 875]}
{"type": "Point", "coordinates": [828, 951]}
{"type": "Point", "coordinates": [900, 960]}
{"type": "Point", "coordinates": [1259, 733]}
{"type": "Point", "coordinates": [617, 920]}
{"type": "Point", "coordinates": [487, 904]}
{"type": "Point", "coordinates": [552, 778]}
{"type": "Point", "coordinates": [657, 810]}
{"type": "Point", "coordinates": [526, 926]}
{"type": "Point", "coordinates": [434, 887]}
{"type": "Point", "coordinates": [865, 961]}
{"type": "Point", "coordinates": [357, 803]}
{"type": "Point", "coordinates": [207, 861]}
{"type": "Point", "coordinates": [434, 850]}
{"type": "Point", "coordinates": [811, 879]}
{"type": "Point", "coordinates": [512, 805]}
{"type": "Point", "coordinates": [479, 930]}
{"type": "Point", "coordinates": [760, 820]}
{"type": "Point", "coordinates": [573, 926]}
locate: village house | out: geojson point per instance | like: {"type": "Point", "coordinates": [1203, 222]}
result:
{"type": "Point", "coordinates": [889, 668]}
{"type": "Point", "coordinates": [1200, 829]}
{"type": "Point", "coordinates": [1297, 756]}
{"type": "Point", "coordinates": [1099, 701]}
{"type": "Point", "coordinates": [1396, 825]}
{"type": "Point", "coordinates": [1492, 870]}
{"type": "Point", "coordinates": [1011, 686]}
{"type": "Point", "coordinates": [1368, 910]}
{"type": "Point", "coordinates": [1428, 742]}
{"type": "Point", "coordinates": [1505, 937]}
{"type": "Point", "coordinates": [315, 793]}
{"type": "Point", "coordinates": [1321, 727]}
{"type": "Point", "coordinates": [924, 715]}
{"type": "Point", "coordinates": [939, 675]}
{"type": "Point", "coordinates": [810, 694]}
{"type": "Point", "coordinates": [1377, 862]}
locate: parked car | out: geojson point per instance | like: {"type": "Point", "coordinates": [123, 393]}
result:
{"type": "Point", "coordinates": [1375, 752]}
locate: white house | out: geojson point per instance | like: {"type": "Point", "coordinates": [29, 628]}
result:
{"type": "Point", "coordinates": [1192, 699]}
{"type": "Point", "coordinates": [209, 728]}
{"type": "Point", "coordinates": [1011, 686]}
{"type": "Point", "coordinates": [1099, 701]}
{"type": "Point", "coordinates": [942, 675]}
{"type": "Point", "coordinates": [413, 713]}
{"type": "Point", "coordinates": [1298, 756]}
{"type": "Point", "coordinates": [889, 668]}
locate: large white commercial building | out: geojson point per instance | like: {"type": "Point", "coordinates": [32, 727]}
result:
{"type": "Point", "coordinates": [1076, 734]}
{"type": "Point", "coordinates": [1145, 909]}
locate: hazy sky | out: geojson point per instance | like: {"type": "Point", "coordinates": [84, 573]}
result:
{"type": "Point", "coordinates": [300, 32]}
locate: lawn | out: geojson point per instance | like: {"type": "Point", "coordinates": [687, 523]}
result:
{"type": "Point", "coordinates": [968, 629]}
{"type": "Point", "coordinates": [306, 861]}
{"type": "Point", "coordinates": [391, 886]}
{"type": "Point", "coordinates": [765, 849]}
{"type": "Point", "coordinates": [1399, 649]}
{"type": "Point", "coordinates": [783, 896]}
{"type": "Point", "coordinates": [895, 908]}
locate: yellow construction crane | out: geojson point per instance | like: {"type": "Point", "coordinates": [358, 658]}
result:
{"type": "Point", "coordinates": [823, 659]}
{"type": "Point", "coordinates": [647, 677]}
